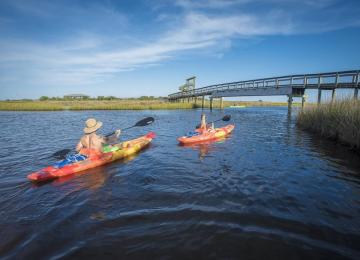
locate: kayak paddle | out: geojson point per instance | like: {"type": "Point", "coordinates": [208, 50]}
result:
{"type": "Point", "coordinates": [225, 118]}
{"type": "Point", "coordinates": [144, 122]}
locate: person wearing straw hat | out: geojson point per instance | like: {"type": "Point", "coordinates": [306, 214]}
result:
{"type": "Point", "coordinates": [92, 144]}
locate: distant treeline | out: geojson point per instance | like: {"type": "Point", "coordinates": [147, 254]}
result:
{"type": "Point", "coordinates": [46, 98]}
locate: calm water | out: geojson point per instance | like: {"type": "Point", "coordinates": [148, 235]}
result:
{"type": "Point", "coordinates": [269, 191]}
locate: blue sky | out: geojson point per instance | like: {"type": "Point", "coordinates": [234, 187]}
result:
{"type": "Point", "coordinates": [134, 48]}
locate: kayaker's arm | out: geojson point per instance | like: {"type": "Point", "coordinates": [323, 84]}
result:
{"type": "Point", "coordinates": [79, 146]}
{"type": "Point", "coordinates": [112, 138]}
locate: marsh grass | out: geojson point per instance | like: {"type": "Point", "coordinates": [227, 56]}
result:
{"type": "Point", "coordinates": [338, 121]}
{"type": "Point", "coordinates": [28, 105]}
{"type": "Point", "coordinates": [90, 105]}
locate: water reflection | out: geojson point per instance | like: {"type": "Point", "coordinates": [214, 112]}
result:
{"type": "Point", "coordinates": [345, 160]}
{"type": "Point", "coordinates": [91, 179]}
{"type": "Point", "coordinates": [205, 147]}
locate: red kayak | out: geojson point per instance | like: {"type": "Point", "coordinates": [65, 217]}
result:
{"type": "Point", "coordinates": [124, 150]}
{"type": "Point", "coordinates": [210, 134]}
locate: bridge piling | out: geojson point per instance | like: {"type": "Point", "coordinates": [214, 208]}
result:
{"type": "Point", "coordinates": [319, 96]}
{"type": "Point", "coordinates": [290, 100]}
{"type": "Point", "coordinates": [333, 90]}
{"type": "Point", "coordinates": [319, 88]}
{"type": "Point", "coordinates": [221, 103]}
{"type": "Point", "coordinates": [332, 95]}
{"type": "Point", "coordinates": [357, 86]}
{"type": "Point", "coordinates": [303, 100]}
{"type": "Point", "coordinates": [211, 103]}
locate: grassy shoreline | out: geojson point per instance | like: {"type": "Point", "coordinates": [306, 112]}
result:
{"type": "Point", "coordinates": [339, 121]}
{"type": "Point", "coordinates": [116, 105]}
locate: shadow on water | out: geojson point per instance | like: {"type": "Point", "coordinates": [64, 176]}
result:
{"type": "Point", "coordinates": [205, 147]}
{"type": "Point", "coordinates": [335, 153]}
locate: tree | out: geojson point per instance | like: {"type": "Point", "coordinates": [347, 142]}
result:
{"type": "Point", "coordinates": [146, 98]}
{"type": "Point", "coordinates": [43, 98]}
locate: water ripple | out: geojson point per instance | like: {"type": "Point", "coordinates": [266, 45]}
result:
{"type": "Point", "coordinates": [268, 191]}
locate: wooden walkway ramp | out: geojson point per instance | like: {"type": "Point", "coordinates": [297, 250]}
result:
{"type": "Point", "coordinates": [291, 86]}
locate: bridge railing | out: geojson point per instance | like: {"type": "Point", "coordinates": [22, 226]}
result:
{"type": "Point", "coordinates": [329, 80]}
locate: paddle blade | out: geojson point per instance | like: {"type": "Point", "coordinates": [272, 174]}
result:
{"type": "Point", "coordinates": [226, 118]}
{"type": "Point", "coordinates": [145, 121]}
{"type": "Point", "coordinates": [61, 154]}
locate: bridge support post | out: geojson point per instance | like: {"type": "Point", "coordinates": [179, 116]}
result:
{"type": "Point", "coordinates": [195, 100]}
{"type": "Point", "coordinates": [290, 100]}
{"type": "Point", "coordinates": [221, 103]}
{"type": "Point", "coordinates": [203, 102]}
{"type": "Point", "coordinates": [319, 96]}
{"type": "Point", "coordinates": [303, 100]}
{"type": "Point", "coordinates": [332, 95]}
{"type": "Point", "coordinates": [356, 91]}
{"type": "Point", "coordinates": [211, 103]}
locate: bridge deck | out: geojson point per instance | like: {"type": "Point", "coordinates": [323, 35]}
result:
{"type": "Point", "coordinates": [284, 85]}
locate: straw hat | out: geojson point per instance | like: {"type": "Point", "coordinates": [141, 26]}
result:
{"type": "Point", "coordinates": [92, 125]}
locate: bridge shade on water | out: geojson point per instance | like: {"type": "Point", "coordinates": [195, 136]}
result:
{"type": "Point", "coordinates": [291, 86]}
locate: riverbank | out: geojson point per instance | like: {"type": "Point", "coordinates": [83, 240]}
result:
{"type": "Point", "coordinates": [339, 121]}
{"type": "Point", "coordinates": [36, 105]}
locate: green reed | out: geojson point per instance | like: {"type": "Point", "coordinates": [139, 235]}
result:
{"type": "Point", "coordinates": [339, 121]}
{"type": "Point", "coordinates": [49, 105]}
{"type": "Point", "coordinates": [90, 105]}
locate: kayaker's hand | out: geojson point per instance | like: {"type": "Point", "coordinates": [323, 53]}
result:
{"type": "Point", "coordinates": [117, 133]}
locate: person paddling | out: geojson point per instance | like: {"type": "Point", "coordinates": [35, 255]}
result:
{"type": "Point", "coordinates": [203, 126]}
{"type": "Point", "coordinates": [92, 144]}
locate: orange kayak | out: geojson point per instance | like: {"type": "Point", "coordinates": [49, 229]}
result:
{"type": "Point", "coordinates": [128, 148]}
{"type": "Point", "coordinates": [213, 134]}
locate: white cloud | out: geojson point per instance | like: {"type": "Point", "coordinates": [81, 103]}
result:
{"type": "Point", "coordinates": [191, 4]}
{"type": "Point", "coordinates": [80, 61]}
{"type": "Point", "coordinates": [218, 4]}
{"type": "Point", "coordinates": [88, 58]}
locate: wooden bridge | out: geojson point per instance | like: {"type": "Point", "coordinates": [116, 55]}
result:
{"type": "Point", "coordinates": [291, 86]}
